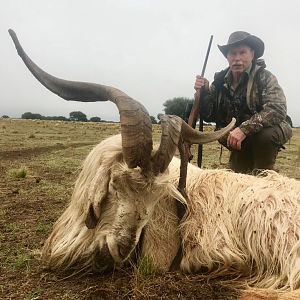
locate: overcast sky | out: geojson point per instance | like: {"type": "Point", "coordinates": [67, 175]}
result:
{"type": "Point", "coordinates": [150, 49]}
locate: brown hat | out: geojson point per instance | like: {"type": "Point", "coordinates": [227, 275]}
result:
{"type": "Point", "coordinates": [242, 37]}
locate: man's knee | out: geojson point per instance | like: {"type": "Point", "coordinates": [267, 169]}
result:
{"type": "Point", "coordinates": [267, 139]}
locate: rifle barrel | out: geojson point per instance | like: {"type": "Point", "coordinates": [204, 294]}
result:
{"type": "Point", "coordinates": [206, 57]}
{"type": "Point", "coordinates": [200, 147]}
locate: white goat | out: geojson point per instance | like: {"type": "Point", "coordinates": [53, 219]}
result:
{"type": "Point", "coordinates": [234, 224]}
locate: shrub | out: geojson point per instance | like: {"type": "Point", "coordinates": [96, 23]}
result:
{"type": "Point", "coordinates": [18, 173]}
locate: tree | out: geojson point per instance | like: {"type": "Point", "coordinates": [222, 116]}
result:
{"type": "Point", "coordinates": [29, 115]}
{"type": "Point", "coordinates": [78, 116]}
{"type": "Point", "coordinates": [5, 116]}
{"type": "Point", "coordinates": [153, 120]}
{"type": "Point", "coordinates": [60, 118]}
{"type": "Point", "coordinates": [95, 119]}
{"type": "Point", "coordinates": [177, 106]}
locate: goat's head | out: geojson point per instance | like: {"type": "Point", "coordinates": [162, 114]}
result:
{"type": "Point", "coordinates": [135, 196]}
{"type": "Point", "coordinates": [119, 200]}
{"type": "Point", "coordinates": [131, 186]}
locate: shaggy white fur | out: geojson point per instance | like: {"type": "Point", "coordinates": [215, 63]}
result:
{"type": "Point", "coordinates": [242, 225]}
{"type": "Point", "coordinates": [235, 224]}
{"type": "Point", "coordinates": [106, 182]}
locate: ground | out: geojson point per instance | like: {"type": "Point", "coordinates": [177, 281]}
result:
{"type": "Point", "coordinates": [50, 153]}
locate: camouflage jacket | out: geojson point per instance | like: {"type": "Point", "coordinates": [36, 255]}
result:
{"type": "Point", "coordinates": [257, 102]}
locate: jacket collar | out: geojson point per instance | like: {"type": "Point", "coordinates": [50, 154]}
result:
{"type": "Point", "coordinates": [220, 77]}
{"type": "Point", "coordinates": [228, 78]}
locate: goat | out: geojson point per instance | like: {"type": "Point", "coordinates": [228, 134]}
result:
{"type": "Point", "coordinates": [234, 224]}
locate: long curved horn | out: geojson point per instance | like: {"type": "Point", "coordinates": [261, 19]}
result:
{"type": "Point", "coordinates": [136, 126]}
{"type": "Point", "coordinates": [170, 137]}
{"type": "Point", "coordinates": [193, 136]}
{"type": "Point", "coordinates": [172, 128]}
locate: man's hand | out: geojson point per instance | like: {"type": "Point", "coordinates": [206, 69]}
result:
{"type": "Point", "coordinates": [235, 139]}
{"type": "Point", "coordinates": [200, 82]}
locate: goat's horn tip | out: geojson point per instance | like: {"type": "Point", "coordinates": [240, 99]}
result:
{"type": "Point", "coordinates": [11, 32]}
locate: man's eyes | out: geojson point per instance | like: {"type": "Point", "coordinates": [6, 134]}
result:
{"type": "Point", "coordinates": [234, 53]}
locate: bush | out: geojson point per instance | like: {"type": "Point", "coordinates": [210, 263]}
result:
{"type": "Point", "coordinates": [18, 173]}
{"type": "Point", "coordinates": [95, 119]}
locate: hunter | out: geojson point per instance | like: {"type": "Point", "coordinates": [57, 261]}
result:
{"type": "Point", "coordinates": [252, 95]}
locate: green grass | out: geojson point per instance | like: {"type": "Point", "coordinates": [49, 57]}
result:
{"type": "Point", "coordinates": [52, 188]}
{"type": "Point", "coordinates": [15, 259]}
{"type": "Point", "coordinates": [43, 228]}
{"type": "Point", "coordinates": [34, 294]}
{"type": "Point", "coordinates": [18, 173]}
{"type": "Point", "coordinates": [12, 227]}
{"type": "Point", "coordinates": [146, 267]}
{"type": "Point", "coordinates": [21, 261]}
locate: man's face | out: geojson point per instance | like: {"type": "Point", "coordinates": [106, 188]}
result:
{"type": "Point", "coordinates": [239, 58]}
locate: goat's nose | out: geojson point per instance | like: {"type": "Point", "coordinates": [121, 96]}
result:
{"type": "Point", "coordinates": [124, 250]}
{"type": "Point", "coordinates": [105, 254]}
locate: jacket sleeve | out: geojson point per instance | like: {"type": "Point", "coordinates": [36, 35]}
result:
{"type": "Point", "coordinates": [273, 105]}
{"type": "Point", "coordinates": [208, 104]}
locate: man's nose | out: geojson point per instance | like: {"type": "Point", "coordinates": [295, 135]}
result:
{"type": "Point", "coordinates": [237, 57]}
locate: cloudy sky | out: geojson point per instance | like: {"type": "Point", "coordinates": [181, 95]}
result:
{"type": "Point", "coordinates": [150, 49]}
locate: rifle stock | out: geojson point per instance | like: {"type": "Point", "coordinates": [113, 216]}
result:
{"type": "Point", "coordinates": [195, 110]}
{"type": "Point", "coordinates": [193, 120]}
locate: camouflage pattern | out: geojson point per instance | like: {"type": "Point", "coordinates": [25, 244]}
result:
{"type": "Point", "coordinates": [257, 102]}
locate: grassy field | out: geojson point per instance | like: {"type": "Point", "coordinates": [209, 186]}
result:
{"type": "Point", "coordinates": [39, 163]}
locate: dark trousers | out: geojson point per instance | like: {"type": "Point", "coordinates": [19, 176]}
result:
{"type": "Point", "coordinates": [259, 151]}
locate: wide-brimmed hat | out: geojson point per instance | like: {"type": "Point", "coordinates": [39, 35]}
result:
{"type": "Point", "coordinates": [242, 37]}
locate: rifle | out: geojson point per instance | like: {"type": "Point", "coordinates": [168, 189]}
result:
{"type": "Point", "coordinates": [195, 110]}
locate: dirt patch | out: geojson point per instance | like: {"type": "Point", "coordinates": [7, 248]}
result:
{"type": "Point", "coordinates": [15, 154]}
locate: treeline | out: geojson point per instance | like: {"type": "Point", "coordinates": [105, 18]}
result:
{"type": "Point", "coordinates": [175, 106]}
{"type": "Point", "coordinates": [74, 116]}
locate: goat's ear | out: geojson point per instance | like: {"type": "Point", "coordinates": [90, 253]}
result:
{"type": "Point", "coordinates": [91, 220]}
{"type": "Point", "coordinates": [96, 192]}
